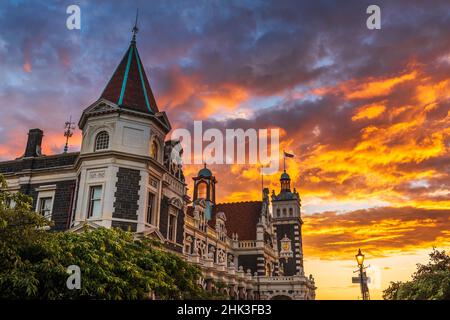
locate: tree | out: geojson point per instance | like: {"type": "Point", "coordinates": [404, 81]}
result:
{"type": "Point", "coordinates": [21, 239]}
{"type": "Point", "coordinates": [113, 264]}
{"type": "Point", "coordinates": [429, 282]}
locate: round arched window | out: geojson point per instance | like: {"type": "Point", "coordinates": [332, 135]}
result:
{"type": "Point", "coordinates": [102, 141]}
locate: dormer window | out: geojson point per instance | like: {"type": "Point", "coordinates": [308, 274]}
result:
{"type": "Point", "coordinates": [102, 141]}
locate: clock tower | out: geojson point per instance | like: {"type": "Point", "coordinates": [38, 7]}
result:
{"type": "Point", "coordinates": [287, 223]}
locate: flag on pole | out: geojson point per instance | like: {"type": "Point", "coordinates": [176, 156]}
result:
{"type": "Point", "coordinates": [288, 155]}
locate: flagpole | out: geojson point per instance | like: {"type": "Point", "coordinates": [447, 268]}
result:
{"type": "Point", "coordinates": [262, 178]}
{"type": "Point", "coordinates": [284, 161]}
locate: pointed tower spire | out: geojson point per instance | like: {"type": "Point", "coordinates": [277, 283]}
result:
{"type": "Point", "coordinates": [129, 87]}
{"type": "Point", "coordinates": [135, 29]}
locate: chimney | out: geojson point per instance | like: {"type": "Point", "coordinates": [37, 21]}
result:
{"type": "Point", "coordinates": [34, 143]}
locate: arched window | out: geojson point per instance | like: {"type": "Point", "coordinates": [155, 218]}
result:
{"type": "Point", "coordinates": [202, 190]}
{"type": "Point", "coordinates": [154, 150]}
{"type": "Point", "coordinates": [102, 141]}
{"type": "Point", "coordinates": [172, 225]}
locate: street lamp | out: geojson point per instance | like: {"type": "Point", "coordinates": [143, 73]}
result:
{"type": "Point", "coordinates": [359, 258]}
{"type": "Point", "coordinates": [362, 275]}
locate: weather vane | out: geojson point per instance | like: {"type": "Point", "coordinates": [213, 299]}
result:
{"type": "Point", "coordinates": [135, 28]}
{"type": "Point", "coordinates": [69, 126]}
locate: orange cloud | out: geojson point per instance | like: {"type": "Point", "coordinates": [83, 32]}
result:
{"type": "Point", "coordinates": [375, 87]}
{"type": "Point", "coordinates": [366, 88]}
{"type": "Point", "coordinates": [378, 231]}
{"type": "Point", "coordinates": [228, 97]}
{"type": "Point", "coordinates": [53, 142]}
{"type": "Point", "coordinates": [375, 166]}
{"type": "Point", "coordinates": [223, 97]}
{"type": "Point", "coordinates": [27, 67]}
{"type": "Point", "coordinates": [369, 112]}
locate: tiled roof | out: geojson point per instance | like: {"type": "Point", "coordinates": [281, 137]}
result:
{"type": "Point", "coordinates": [242, 218]}
{"type": "Point", "coordinates": [129, 86]}
{"type": "Point", "coordinates": [39, 163]}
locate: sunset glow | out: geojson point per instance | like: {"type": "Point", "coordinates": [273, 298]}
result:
{"type": "Point", "coordinates": [366, 113]}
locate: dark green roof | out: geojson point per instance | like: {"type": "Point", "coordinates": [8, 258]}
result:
{"type": "Point", "coordinates": [285, 195]}
{"type": "Point", "coordinates": [285, 176]}
{"type": "Point", "coordinates": [205, 173]}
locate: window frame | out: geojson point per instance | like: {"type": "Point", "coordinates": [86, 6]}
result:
{"type": "Point", "coordinates": [91, 200]}
{"type": "Point", "coordinates": [172, 214]}
{"type": "Point", "coordinates": [41, 203]}
{"type": "Point", "coordinates": [96, 141]}
{"type": "Point", "coordinates": [150, 196]}
{"type": "Point", "coordinates": [45, 191]}
{"type": "Point", "coordinates": [188, 248]}
{"type": "Point", "coordinates": [10, 203]}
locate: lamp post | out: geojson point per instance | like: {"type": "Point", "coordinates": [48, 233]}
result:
{"type": "Point", "coordinates": [362, 275]}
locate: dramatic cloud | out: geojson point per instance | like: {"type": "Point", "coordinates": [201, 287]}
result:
{"type": "Point", "coordinates": [379, 232]}
{"type": "Point", "coordinates": [366, 112]}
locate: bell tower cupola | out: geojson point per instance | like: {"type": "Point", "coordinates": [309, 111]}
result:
{"type": "Point", "coordinates": [285, 181]}
{"type": "Point", "coordinates": [205, 185]}
{"type": "Point", "coordinates": [205, 190]}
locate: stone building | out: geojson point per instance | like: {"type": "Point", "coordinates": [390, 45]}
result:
{"type": "Point", "coordinates": [124, 176]}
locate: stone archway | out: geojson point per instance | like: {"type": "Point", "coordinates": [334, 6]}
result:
{"type": "Point", "coordinates": [281, 297]}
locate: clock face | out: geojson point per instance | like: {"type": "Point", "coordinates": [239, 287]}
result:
{"type": "Point", "coordinates": [286, 246]}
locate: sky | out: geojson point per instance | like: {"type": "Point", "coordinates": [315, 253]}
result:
{"type": "Point", "coordinates": [366, 112]}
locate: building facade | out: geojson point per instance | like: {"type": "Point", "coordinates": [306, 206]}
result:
{"type": "Point", "coordinates": [126, 176]}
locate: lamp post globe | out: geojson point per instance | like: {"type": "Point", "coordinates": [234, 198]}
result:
{"type": "Point", "coordinates": [359, 258]}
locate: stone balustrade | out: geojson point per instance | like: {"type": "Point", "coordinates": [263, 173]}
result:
{"type": "Point", "coordinates": [294, 287]}
{"type": "Point", "coordinates": [247, 244]}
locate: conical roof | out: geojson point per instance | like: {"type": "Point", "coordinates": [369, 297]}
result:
{"type": "Point", "coordinates": [129, 86]}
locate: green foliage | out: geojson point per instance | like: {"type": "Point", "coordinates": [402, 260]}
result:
{"type": "Point", "coordinates": [429, 282]}
{"type": "Point", "coordinates": [113, 264]}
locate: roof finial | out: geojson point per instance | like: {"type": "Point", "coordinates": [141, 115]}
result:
{"type": "Point", "coordinates": [69, 126]}
{"type": "Point", "coordinates": [135, 28]}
